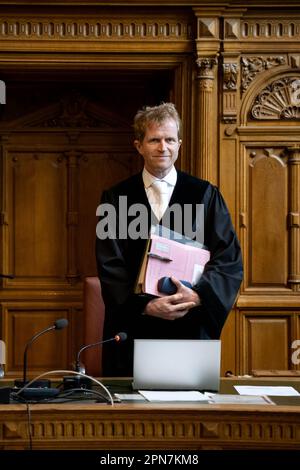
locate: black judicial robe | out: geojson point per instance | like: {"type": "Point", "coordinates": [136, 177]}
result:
{"type": "Point", "coordinates": [118, 262]}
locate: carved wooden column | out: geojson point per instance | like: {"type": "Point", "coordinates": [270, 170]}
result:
{"type": "Point", "coordinates": [2, 212]}
{"type": "Point", "coordinates": [205, 76]}
{"type": "Point", "coordinates": [72, 215]}
{"type": "Point", "coordinates": [4, 267]}
{"type": "Point", "coordinates": [294, 216]}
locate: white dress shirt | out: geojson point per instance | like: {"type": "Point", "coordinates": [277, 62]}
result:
{"type": "Point", "coordinates": [159, 202]}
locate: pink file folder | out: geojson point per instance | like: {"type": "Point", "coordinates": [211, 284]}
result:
{"type": "Point", "coordinates": [171, 258]}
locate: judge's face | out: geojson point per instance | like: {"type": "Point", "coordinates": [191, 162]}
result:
{"type": "Point", "coordinates": [160, 147]}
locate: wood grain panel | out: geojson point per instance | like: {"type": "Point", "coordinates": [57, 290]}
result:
{"type": "Point", "coordinates": [266, 338]}
{"type": "Point", "coordinates": [229, 348]}
{"type": "Point", "coordinates": [49, 352]}
{"type": "Point", "coordinates": [98, 171]}
{"type": "Point", "coordinates": [228, 178]}
{"type": "Point", "coordinates": [38, 212]}
{"type": "Point", "coordinates": [156, 427]}
{"type": "Point", "coordinates": [268, 208]}
{"type": "Point", "coordinates": [65, 145]}
{"type": "Point", "coordinates": [295, 346]}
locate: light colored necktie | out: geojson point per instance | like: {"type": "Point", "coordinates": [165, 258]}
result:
{"type": "Point", "coordinates": [161, 190]}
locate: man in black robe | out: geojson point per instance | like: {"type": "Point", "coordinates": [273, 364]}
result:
{"type": "Point", "coordinates": [191, 313]}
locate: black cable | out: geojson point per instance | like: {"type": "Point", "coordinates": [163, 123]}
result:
{"type": "Point", "coordinates": [69, 394]}
{"type": "Point", "coordinates": [29, 425]}
{"type": "Point", "coordinates": [93, 379]}
{"type": "Point", "coordinates": [84, 392]}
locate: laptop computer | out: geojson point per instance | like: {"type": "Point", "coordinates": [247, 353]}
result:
{"type": "Point", "coordinates": [172, 364]}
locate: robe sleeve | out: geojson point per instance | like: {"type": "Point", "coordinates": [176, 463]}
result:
{"type": "Point", "coordinates": [222, 276]}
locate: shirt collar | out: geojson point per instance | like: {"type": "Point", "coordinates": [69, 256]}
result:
{"type": "Point", "coordinates": [170, 178]}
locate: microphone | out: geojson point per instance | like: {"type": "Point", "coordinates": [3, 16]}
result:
{"type": "Point", "coordinates": [118, 338]}
{"type": "Point", "coordinates": [79, 381]}
{"type": "Point", "coordinates": [58, 325]}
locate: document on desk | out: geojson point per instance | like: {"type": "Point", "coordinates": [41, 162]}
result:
{"type": "Point", "coordinates": [238, 399]}
{"type": "Point", "coordinates": [191, 395]}
{"type": "Point", "coordinates": [129, 397]}
{"type": "Point", "coordinates": [274, 391]}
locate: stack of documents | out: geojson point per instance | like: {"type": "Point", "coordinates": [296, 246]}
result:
{"type": "Point", "coordinates": [164, 257]}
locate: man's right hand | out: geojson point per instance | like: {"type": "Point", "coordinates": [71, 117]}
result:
{"type": "Point", "coordinates": [169, 307]}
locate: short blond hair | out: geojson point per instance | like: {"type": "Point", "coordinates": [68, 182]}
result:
{"type": "Point", "coordinates": [158, 114]}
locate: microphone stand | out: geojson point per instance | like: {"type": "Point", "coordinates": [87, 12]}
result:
{"type": "Point", "coordinates": [52, 327]}
{"type": "Point", "coordinates": [98, 343]}
{"type": "Point", "coordinates": [43, 384]}
{"type": "Point", "coordinates": [79, 381]}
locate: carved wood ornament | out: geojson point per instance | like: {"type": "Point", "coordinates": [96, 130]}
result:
{"type": "Point", "coordinates": [279, 100]}
{"type": "Point", "coordinates": [251, 66]}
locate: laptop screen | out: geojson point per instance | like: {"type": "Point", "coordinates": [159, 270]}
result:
{"type": "Point", "coordinates": [172, 364]}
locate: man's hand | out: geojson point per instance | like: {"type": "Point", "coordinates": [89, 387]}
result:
{"type": "Point", "coordinates": [171, 307]}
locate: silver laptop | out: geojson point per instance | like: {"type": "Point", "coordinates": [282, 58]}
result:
{"type": "Point", "coordinates": [172, 364]}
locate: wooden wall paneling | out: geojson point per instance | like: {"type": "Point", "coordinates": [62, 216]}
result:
{"type": "Point", "coordinates": [76, 135]}
{"type": "Point", "coordinates": [182, 92]}
{"type": "Point", "coordinates": [207, 47]}
{"type": "Point", "coordinates": [229, 345]}
{"type": "Point", "coordinates": [295, 346]}
{"type": "Point", "coordinates": [228, 184]}
{"type": "Point", "coordinates": [50, 352]}
{"type": "Point", "coordinates": [98, 171]}
{"type": "Point", "coordinates": [228, 180]}
{"type": "Point", "coordinates": [74, 147]}
{"type": "Point", "coordinates": [72, 157]}
{"type": "Point", "coordinates": [267, 202]}
{"type": "Point", "coordinates": [228, 176]}
{"type": "Point", "coordinates": [267, 209]}
{"type": "Point", "coordinates": [205, 134]}
{"type": "Point", "coordinates": [266, 338]}
{"type": "Point", "coordinates": [37, 208]}
{"type": "Point", "coordinates": [3, 211]}
{"type": "Point", "coordinates": [98, 29]}
{"type": "Point", "coordinates": [272, 191]}
{"type": "Point", "coordinates": [265, 113]}
{"type": "Point", "coordinates": [294, 216]}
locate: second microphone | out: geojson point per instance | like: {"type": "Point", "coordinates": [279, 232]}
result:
{"type": "Point", "coordinates": [118, 338]}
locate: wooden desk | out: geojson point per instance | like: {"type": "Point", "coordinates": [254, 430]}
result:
{"type": "Point", "coordinates": [151, 426]}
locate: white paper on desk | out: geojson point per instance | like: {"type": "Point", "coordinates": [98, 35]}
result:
{"type": "Point", "coordinates": [238, 399]}
{"type": "Point", "coordinates": [129, 396]}
{"type": "Point", "coordinates": [271, 391]}
{"type": "Point", "coordinates": [173, 395]}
